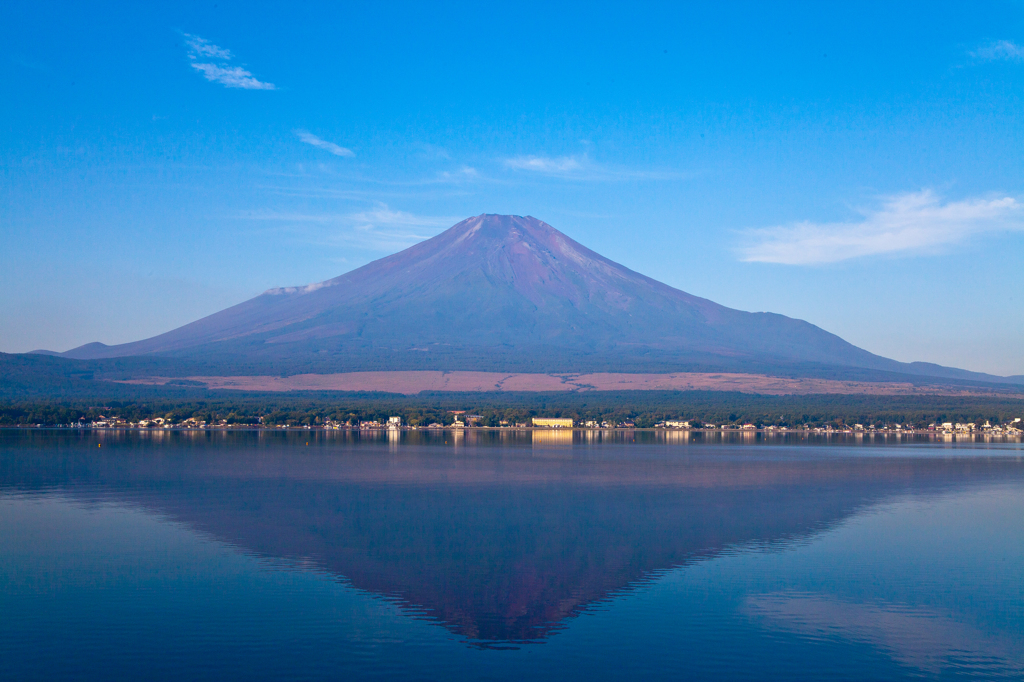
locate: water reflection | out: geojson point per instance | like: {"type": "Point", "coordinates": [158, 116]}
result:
{"type": "Point", "coordinates": [498, 536]}
{"type": "Point", "coordinates": [920, 638]}
{"type": "Point", "coordinates": [554, 437]}
{"type": "Point", "coordinates": [514, 437]}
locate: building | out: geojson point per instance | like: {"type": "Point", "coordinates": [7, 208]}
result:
{"type": "Point", "coordinates": [552, 423]}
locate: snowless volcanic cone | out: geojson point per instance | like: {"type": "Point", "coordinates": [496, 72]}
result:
{"type": "Point", "coordinates": [495, 292]}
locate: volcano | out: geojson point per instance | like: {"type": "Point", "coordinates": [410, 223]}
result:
{"type": "Point", "coordinates": [499, 293]}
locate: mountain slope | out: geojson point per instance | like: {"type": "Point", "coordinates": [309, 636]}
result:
{"type": "Point", "coordinates": [497, 292]}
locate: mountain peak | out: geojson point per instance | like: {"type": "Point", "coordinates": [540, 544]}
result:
{"type": "Point", "coordinates": [496, 292]}
{"type": "Point", "coordinates": [497, 224]}
{"type": "Point", "coordinates": [504, 230]}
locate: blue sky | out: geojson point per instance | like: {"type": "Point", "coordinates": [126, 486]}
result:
{"type": "Point", "coordinates": [859, 167]}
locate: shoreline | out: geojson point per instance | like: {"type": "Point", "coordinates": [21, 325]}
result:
{"type": "Point", "coordinates": [528, 429]}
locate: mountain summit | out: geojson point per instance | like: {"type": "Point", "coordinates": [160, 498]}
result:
{"type": "Point", "coordinates": [495, 292]}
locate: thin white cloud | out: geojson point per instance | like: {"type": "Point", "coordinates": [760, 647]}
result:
{"type": "Point", "coordinates": [917, 222]}
{"type": "Point", "coordinates": [384, 229]}
{"type": "Point", "coordinates": [30, 63]}
{"type": "Point", "coordinates": [232, 77]}
{"type": "Point", "coordinates": [211, 61]}
{"type": "Point", "coordinates": [1000, 50]}
{"type": "Point", "coordinates": [464, 173]}
{"type": "Point", "coordinates": [384, 216]}
{"type": "Point", "coordinates": [433, 151]}
{"type": "Point", "coordinates": [544, 164]}
{"type": "Point", "coordinates": [310, 138]}
{"type": "Point", "coordinates": [201, 47]}
{"type": "Point", "coordinates": [377, 229]}
{"type": "Point", "coordinates": [583, 169]}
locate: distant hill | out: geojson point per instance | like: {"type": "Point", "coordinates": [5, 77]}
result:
{"type": "Point", "coordinates": [504, 293]}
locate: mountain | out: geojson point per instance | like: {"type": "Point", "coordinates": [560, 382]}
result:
{"type": "Point", "coordinates": [500, 293]}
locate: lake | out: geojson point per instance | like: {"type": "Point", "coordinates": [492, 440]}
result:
{"type": "Point", "coordinates": [508, 556]}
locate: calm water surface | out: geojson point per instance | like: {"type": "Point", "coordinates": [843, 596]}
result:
{"type": "Point", "coordinates": [253, 555]}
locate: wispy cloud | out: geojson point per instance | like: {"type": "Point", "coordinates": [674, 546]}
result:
{"type": "Point", "coordinates": [545, 164]}
{"type": "Point", "coordinates": [1005, 50]}
{"type": "Point", "coordinates": [462, 174]}
{"type": "Point", "coordinates": [399, 224]}
{"type": "Point", "coordinates": [201, 47]}
{"type": "Point", "coordinates": [232, 77]}
{"type": "Point", "coordinates": [918, 222]}
{"type": "Point", "coordinates": [433, 151]}
{"type": "Point", "coordinates": [30, 63]}
{"type": "Point", "coordinates": [211, 61]}
{"type": "Point", "coordinates": [584, 169]}
{"type": "Point", "coordinates": [380, 228]}
{"type": "Point", "coordinates": [310, 138]}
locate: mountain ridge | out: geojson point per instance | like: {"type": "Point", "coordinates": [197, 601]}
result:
{"type": "Point", "coordinates": [501, 293]}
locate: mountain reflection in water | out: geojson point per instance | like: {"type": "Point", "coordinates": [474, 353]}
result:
{"type": "Point", "coordinates": [498, 537]}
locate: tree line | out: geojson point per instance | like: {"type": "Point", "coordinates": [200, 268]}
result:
{"type": "Point", "coordinates": [642, 408]}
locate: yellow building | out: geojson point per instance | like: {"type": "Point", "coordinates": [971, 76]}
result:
{"type": "Point", "coordinates": [549, 423]}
